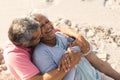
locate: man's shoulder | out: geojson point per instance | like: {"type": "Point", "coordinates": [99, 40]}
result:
{"type": "Point", "coordinates": [11, 48]}
{"type": "Point", "coordinates": [13, 53]}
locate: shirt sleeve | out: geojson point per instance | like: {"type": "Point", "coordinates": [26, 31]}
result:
{"type": "Point", "coordinates": [21, 66]}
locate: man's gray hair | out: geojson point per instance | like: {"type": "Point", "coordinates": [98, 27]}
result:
{"type": "Point", "coordinates": [21, 30]}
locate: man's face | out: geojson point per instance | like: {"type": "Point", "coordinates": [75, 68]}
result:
{"type": "Point", "coordinates": [37, 35]}
{"type": "Point", "coordinates": [47, 28]}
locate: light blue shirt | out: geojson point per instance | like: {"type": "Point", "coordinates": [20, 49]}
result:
{"type": "Point", "coordinates": [47, 58]}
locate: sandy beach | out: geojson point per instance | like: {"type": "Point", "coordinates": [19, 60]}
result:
{"type": "Point", "coordinates": [97, 20]}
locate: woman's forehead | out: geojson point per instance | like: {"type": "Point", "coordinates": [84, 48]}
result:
{"type": "Point", "coordinates": [42, 18]}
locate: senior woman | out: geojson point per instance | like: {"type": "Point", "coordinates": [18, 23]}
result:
{"type": "Point", "coordinates": [53, 46]}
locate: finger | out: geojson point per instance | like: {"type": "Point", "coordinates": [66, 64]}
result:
{"type": "Point", "coordinates": [70, 53]}
{"type": "Point", "coordinates": [68, 60]}
{"type": "Point", "coordinates": [64, 65]}
{"type": "Point", "coordinates": [59, 66]}
{"type": "Point", "coordinates": [60, 63]}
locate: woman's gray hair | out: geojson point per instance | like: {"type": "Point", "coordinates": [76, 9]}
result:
{"type": "Point", "coordinates": [21, 30]}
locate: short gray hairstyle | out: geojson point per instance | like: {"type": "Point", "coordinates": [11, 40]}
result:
{"type": "Point", "coordinates": [21, 30]}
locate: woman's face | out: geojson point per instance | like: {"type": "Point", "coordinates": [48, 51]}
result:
{"type": "Point", "coordinates": [47, 28]}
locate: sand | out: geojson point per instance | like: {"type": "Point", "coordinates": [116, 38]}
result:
{"type": "Point", "coordinates": [97, 20]}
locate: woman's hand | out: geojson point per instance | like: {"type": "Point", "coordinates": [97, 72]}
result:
{"type": "Point", "coordinates": [83, 44]}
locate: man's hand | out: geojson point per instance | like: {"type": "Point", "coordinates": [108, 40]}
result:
{"type": "Point", "coordinates": [65, 62]}
{"type": "Point", "coordinates": [69, 60]}
{"type": "Point", "coordinates": [75, 57]}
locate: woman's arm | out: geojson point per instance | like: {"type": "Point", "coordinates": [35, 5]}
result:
{"type": "Point", "coordinates": [102, 66]}
{"type": "Point", "coordinates": [79, 39]}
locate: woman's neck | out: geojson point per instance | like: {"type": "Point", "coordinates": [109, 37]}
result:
{"type": "Point", "coordinates": [50, 42]}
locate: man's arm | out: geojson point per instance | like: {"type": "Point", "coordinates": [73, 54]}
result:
{"type": "Point", "coordinates": [103, 66]}
{"type": "Point", "coordinates": [53, 74]}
